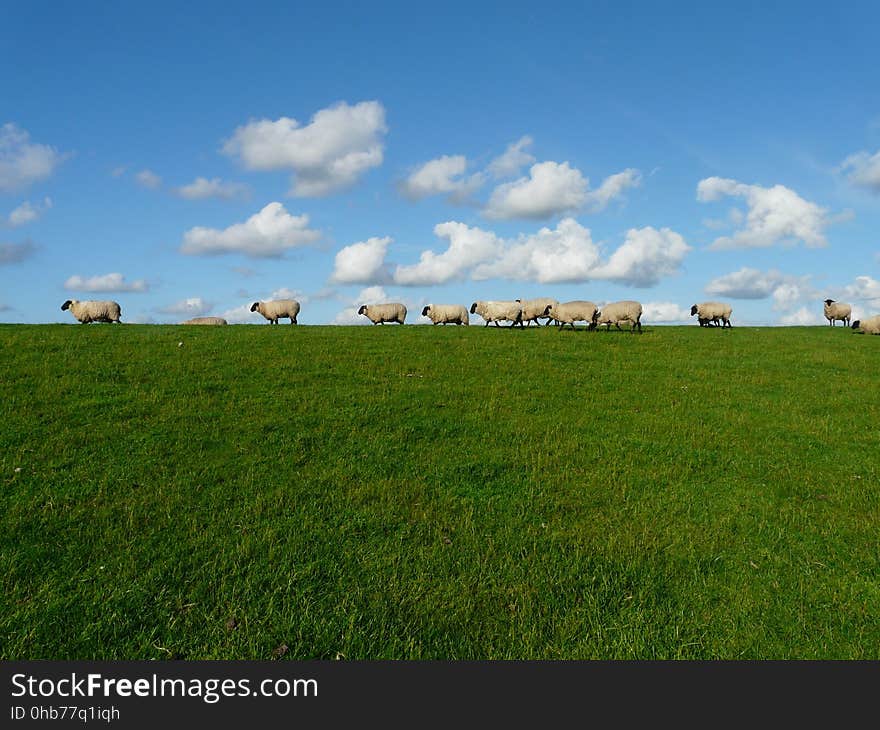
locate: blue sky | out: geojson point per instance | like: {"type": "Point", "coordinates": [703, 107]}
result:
{"type": "Point", "coordinates": [192, 160]}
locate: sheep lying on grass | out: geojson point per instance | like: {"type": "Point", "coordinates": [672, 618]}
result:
{"type": "Point", "coordinates": [870, 326]}
{"type": "Point", "coordinates": [93, 310]}
{"type": "Point", "coordinates": [446, 314]}
{"type": "Point", "coordinates": [278, 309]}
{"type": "Point", "coordinates": [382, 313]}
{"type": "Point", "coordinates": [708, 313]}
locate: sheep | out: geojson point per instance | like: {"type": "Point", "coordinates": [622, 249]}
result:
{"type": "Point", "coordinates": [617, 312]}
{"type": "Point", "coordinates": [532, 309]}
{"type": "Point", "coordinates": [571, 312]}
{"type": "Point", "coordinates": [870, 326]}
{"type": "Point", "coordinates": [708, 313]}
{"type": "Point", "coordinates": [206, 320]}
{"type": "Point", "coordinates": [837, 310]}
{"type": "Point", "coordinates": [93, 310]}
{"type": "Point", "coordinates": [382, 313]}
{"type": "Point", "coordinates": [446, 314]}
{"type": "Point", "coordinates": [498, 311]}
{"type": "Point", "coordinates": [278, 309]}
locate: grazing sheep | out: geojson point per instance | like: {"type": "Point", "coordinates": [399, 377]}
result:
{"type": "Point", "coordinates": [206, 320]}
{"type": "Point", "coordinates": [617, 312]}
{"type": "Point", "coordinates": [571, 312]}
{"type": "Point", "coordinates": [837, 310]}
{"type": "Point", "coordinates": [382, 313]}
{"type": "Point", "coordinates": [93, 310]}
{"type": "Point", "coordinates": [708, 313]}
{"type": "Point", "coordinates": [498, 311]}
{"type": "Point", "coordinates": [278, 309]}
{"type": "Point", "coordinates": [446, 314]}
{"type": "Point", "coordinates": [870, 326]}
{"type": "Point", "coordinates": [532, 309]}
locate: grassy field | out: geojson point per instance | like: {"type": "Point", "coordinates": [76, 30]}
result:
{"type": "Point", "coordinates": [429, 492]}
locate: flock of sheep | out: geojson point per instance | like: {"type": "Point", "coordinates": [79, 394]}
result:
{"type": "Point", "coordinates": [517, 312]}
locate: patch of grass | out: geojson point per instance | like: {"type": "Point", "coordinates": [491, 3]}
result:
{"type": "Point", "coordinates": [428, 492]}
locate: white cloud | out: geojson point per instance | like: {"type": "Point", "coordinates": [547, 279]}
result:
{"type": "Point", "coordinates": [14, 253]}
{"type": "Point", "coordinates": [564, 254]}
{"type": "Point", "coordinates": [288, 293]}
{"type": "Point", "coordinates": [775, 215]}
{"type": "Point", "coordinates": [362, 262]}
{"type": "Point", "coordinates": [114, 282]}
{"type": "Point", "coordinates": [613, 187]}
{"type": "Point", "coordinates": [191, 307]}
{"type": "Point", "coordinates": [512, 160]}
{"type": "Point", "coordinates": [242, 314]}
{"type": "Point", "coordinates": [786, 290]}
{"type": "Point", "coordinates": [370, 295]}
{"type": "Point", "coordinates": [340, 144]}
{"type": "Point", "coordinates": [148, 179]}
{"type": "Point", "coordinates": [27, 213]}
{"type": "Point", "coordinates": [22, 162]}
{"type": "Point", "coordinates": [267, 234]}
{"type": "Point", "coordinates": [646, 256]}
{"type": "Point", "coordinates": [863, 287]}
{"type": "Point", "coordinates": [665, 312]}
{"type": "Point", "coordinates": [550, 189]}
{"type": "Point", "coordinates": [801, 318]}
{"type": "Point", "coordinates": [467, 248]}
{"type": "Point", "coordinates": [202, 188]}
{"type": "Point", "coordinates": [863, 170]}
{"type": "Point", "coordinates": [444, 175]}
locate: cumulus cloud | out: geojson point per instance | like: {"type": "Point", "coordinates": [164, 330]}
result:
{"type": "Point", "coordinates": [362, 262]}
{"type": "Point", "coordinates": [802, 317]}
{"type": "Point", "coordinates": [14, 253]}
{"type": "Point", "coordinates": [148, 179]}
{"type": "Point", "coordinates": [114, 282]}
{"type": "Point", "coordinates": [774, 215]}
{"type": "Point", "coordinates": [202, 188]}
{"type": "Point", "coordinates": [565, 253]}
{"type": "Point", "coordinates": [267, 234]}
{"type": "Point", "coordinates": [550, 189]}
{"type": "Point", "coordinates": [863, 170]}
{"type": "Point", "coordinates": [864, 287]}
{"type": "Point", "coordinates": [332, 152]}
{"type": "Point", "coordinates": [467, 248]}
{"type": "Point", "coordinates": [665, 313]}
{"type": "Point", "coordinates": [23, 162]}
{"type": "Point", "coordinates": [512, 160]}
{"type": "Point", "coordinates": [786, 290]}
{"type": "Point", "coordinates": [27, 213]}
{"type": "Point", "coordinates": [613, 187]}
{"type": "Point", "coordinates": [191, 307]}
{"type": "Point", "coordinates": [553, 188]}
{"type": "Point", "coordinates": [242, 314]}
{"type": "Point", "coordinates": [442, 176]}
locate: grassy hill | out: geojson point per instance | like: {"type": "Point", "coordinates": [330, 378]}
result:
{"type": "Point", "coordinates": [429, 492]}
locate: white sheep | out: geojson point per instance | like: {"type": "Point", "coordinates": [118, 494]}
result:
{"type": "Point", "coordinates": [617, 312]}
{"type": "Point", "coordinates": [382, 313]}
{"type": "Point", "coordinates": [532, 309]}
{"type": "Point", "coordinates": [446, 314]}
{"type": "Point", "coordinates": [206, 320]}
{"type": "Point", "coordinates": [493, 311]}
{"type": "Point", "coordinates": [571, 312]}
{"type": "Point", "coordinates": [837, 311]}
{"type": "Point", "coordinates": [277, 309]}
{"type": "Point", "coordinates": [870, 326]}
{"type": "Point", "coordinates": [93, 310]}
{"type": "Point", "coordinates": [708, 313]}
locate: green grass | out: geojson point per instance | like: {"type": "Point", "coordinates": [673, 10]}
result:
{"type": "Point", "coordinates": [438, 493]}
